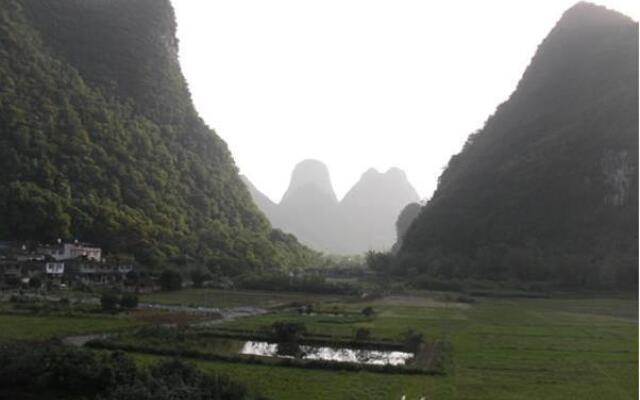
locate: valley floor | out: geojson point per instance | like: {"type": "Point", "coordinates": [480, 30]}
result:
{"type": "Point", "coordinates": [563, 347]}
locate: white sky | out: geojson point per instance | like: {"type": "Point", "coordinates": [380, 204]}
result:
{"type": "Point", "coordinates": [356, 83]}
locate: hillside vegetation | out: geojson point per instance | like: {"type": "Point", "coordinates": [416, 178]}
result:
{"type": "Point", "coordinates": [547, 190]}
{"type": "Point", "coordinates": [99, 141]}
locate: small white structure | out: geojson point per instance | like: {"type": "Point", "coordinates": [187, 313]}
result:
{"type": "Point", "coordinates": [70, 251]}
{"type": "Point", "coordinates": [54, 268]}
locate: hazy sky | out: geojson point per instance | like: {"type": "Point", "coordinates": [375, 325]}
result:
{"type": "Point", "coordinates": [356, 83]}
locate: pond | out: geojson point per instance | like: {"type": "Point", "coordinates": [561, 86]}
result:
{"type": "Point", "coordinates": [308, 352]}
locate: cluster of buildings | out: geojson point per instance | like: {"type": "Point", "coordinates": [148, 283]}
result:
{"type": "Point", "coordinates": [60, 264]}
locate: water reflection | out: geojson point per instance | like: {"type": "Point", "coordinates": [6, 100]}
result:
{"type": "Point", "coordinates": [360, 356]}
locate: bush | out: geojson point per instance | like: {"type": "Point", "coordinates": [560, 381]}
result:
{"type": "Point", "coordinates": [412, 340]}
{"type": "Point", "coordinates": [129, 301]}
{"type": "Point", "coordinates": [35, 282]}
{"type": "Point", "coordinates": [368, 311]}
{"type": "Point", "coordinates": [29, 371]}
{"type": "Point", "coordinates": [170, 280]}
{"type": "Point", "coordinates": [362, 334]}
{"type": "Point", "coordinates": [12, 281]}
{"type": "Point", "coordinates": [109, 302]}
{"type": "Point", "coordinates": [284, 331]}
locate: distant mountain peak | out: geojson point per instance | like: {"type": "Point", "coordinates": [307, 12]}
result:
{"type": "Point", "coordinates": [362, 221]}
{"type": "Point", "coordinates": [589, 12]}
{"type": "Point", "coordinates": [370, 173]}
{"type": "Point", "coordinates": [396, 173]}
{"type": "Point", "coordinates": [310, 172]}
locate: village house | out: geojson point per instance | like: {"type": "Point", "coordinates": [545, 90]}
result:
{"type": "Point", "coordinates": [70, 251]}
{"type": "Point", "coordinates": [70, 263]}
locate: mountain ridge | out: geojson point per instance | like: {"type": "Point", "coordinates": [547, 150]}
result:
{"type": "Point", "coordinates": [550, 178]}
{"type": "Point", "coordinates": [362, 220]}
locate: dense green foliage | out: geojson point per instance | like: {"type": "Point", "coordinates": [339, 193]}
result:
{"type": "Point", "coordinates": [55, 372]}
{"type": "Point", "coordinates": [99, 140]}
{"type": "Point", "coordinates": [548, 189]}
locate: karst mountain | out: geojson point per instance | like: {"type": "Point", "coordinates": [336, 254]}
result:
{"type": "Point", "coordinates": [363, 220]}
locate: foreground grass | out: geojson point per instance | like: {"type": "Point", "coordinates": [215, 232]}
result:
{"type": "Point", "coordinates": [285, 383]}
{"type": "Point", "coordinates": [556, 348]}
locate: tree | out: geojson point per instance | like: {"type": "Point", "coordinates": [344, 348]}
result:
{"type": "Point", "coordinates": [170, 280]}
{"type": "Point", "coordinates": [379, 262]}
{"type": "Point", "coordinates": [199, 276]}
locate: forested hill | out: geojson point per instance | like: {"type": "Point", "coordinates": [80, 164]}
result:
{"type": "Point", "coordinates": [548, 188]}
{"type": "Point", "coordinates": [99, 141]}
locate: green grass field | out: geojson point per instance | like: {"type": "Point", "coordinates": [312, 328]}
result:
{"type": "Point", "coordinates": [35, 327]}
{"type": "Point", "coordinates": [559, 348]}
{"type": "Point", "coordinates": [231, 298]}
{"type": "Point", "coordinates": [564, 347]}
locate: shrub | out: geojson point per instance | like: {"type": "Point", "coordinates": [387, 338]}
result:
{"type": "Point", "coordinates": [12, 281]}
{"type": "Point", "coordinates": [170, 280]}
{"type": "Point", "coordinates": [362, 334]}
{"type": "Point", "coordinates": [35, 282]}
{"type": "Point", "coordinates": [129, 301]}
{"type": "Point", "coordinates": [284, 331]}
{"type": "Point", "coordinates": [368, 311]}
{"type": "Point", "coordinates": [109, 302]}
{"type": "Point", "coordinates": [412, 340]}
{"type": "Point", "coordinates": [30, 371]}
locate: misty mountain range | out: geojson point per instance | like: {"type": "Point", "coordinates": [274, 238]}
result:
{"type": "Point", "coordinates": [363, 220]}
